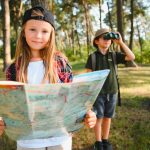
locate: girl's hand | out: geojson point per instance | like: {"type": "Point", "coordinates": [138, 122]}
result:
{"type": "Point", "coordinates": [2, 126]}
{"type": "Point", "coordinates": [90, 119]}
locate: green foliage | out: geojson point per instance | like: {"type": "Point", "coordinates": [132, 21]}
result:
{"type": "Point", "coordinates": [143, 56]}
{"type": "Point", "coordinates": [13, 47]}
{"type": "Point", "coordinates": [80, 55]}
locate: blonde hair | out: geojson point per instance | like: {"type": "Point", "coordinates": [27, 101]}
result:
{"type": "Point", "coordinates": [48, 54]}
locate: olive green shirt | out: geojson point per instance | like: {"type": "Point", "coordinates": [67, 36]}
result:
{"type": "Point", "coordinates": [106, 62]}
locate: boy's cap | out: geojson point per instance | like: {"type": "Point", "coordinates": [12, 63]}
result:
{"type": "Point", "coordinates": [47, 15]}
{"type": "Point", "coordinates": [99, 33]}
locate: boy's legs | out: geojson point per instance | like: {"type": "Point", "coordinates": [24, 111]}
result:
{"type": "Point", "coordinates": [106, 127]}
{"type": "Point", "coordinates": [105, 106]}
{"type": "Point", "coordinates": [102, 128]}
{"type": "Point", "coordinates": [98, 130]}
{"type": "Point", "coordinates": [99, 107]}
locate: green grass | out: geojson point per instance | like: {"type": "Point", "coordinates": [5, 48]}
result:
{"type": "Point", "coordinates": [130, 128]}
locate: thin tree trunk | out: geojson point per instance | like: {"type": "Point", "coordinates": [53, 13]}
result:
{"type": "Point", "coordinates": [87, 25]}
{"type": "Point", "coordinates": [140, 42]}
{"type": "Point", "coordinates": [6, 33]}
{"type": "Point", "coordinates": [17, 14]}
{"type": "Point", "coordinates": [119, 18]}
{"type": "Point", "coordinates": [79, 45]}
{"type": "Point", "coordinates": [109, 15]}
{"type": "Point", "coordinates": [132, 29]}
{"type": "Point", "coordinates": [100, 14]}
{"type": "Point", "coordinates": [131, 63]}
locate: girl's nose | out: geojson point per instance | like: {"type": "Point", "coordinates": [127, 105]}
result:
{"type": "Point", "coordinates": [38, 34]}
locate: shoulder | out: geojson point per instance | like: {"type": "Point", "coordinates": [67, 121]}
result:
{"type": "Point", "coordinates": [62, 61]}
{"type": "Point", "coordinates": [92, 55]}
{"type": "Point", "coordinates": [64, 69]}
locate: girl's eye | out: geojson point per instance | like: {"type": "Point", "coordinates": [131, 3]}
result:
{"type": "Point", "coordinates": [32, 29]}
{"type": "Point", "coordinates": [45, 31]}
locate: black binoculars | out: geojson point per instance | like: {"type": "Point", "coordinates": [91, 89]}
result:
{"type": "Point", "coordinates": [111, 35]}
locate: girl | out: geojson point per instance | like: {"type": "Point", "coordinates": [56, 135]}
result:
{"type": "Point", "coordinates": [37, 61]}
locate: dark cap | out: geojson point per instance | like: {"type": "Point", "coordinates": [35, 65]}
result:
{"type": "Point", "coordinates": [47, 15]}
{"type": "Point", "coordinates": [99, 33]}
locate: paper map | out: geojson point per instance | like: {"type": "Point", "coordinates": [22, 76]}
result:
{"type": "Point", "coordinates": [47, 110]}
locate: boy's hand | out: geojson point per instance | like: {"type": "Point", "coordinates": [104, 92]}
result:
{"type": "Point", "coordinates": [90, 119]}
{"type": "Point", "coordinates": [2, 126]}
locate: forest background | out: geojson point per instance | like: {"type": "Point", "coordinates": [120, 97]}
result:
{"type": "Point", "coordinates": [76, 22]}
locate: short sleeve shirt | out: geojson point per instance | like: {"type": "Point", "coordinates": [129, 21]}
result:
{"type": "Point", "coordinates": [106, 62]}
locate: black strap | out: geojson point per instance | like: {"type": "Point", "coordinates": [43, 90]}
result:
{"type": "Point", "coordinates": [113, 56]}
{"type": "Point", "coordinates": [93, 56]}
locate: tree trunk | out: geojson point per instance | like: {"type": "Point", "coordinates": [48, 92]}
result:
{"type": "Point", "coordinates": [78, 40]}
{"type": "Point", "coordinates": [132, 29]}
{"type": "Point", "coordinates": [140, 42]}
{"type": "Point", "coordinates": [131, 63]}
{"type": "Point", "coordinates": [119, 18]}
{"type": "Point", "coordinates": [6, 33]}
{"type": "Point", "coordinates": [87, 25]}
{"type": "Point", "coordinates": [109, 16]}
{"type": "Point", "coordinates": [17, 9]}
{"type": "Point", "coordinates": [100, 14]}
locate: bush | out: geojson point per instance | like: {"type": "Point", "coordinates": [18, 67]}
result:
{"type": "Point", "coordinates": [144, 55]}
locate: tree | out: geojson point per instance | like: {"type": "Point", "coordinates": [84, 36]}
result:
{"type": "Point", "coordinates": [16, 7]}
{"type": "Point", "coordinates": [45, 3]}
{"type": "Point", "coordinates": [6, 33]}
{"type": "Point", "coordinates": [119, 18]}
{"type": "Point", "coordinates": [132, 28]}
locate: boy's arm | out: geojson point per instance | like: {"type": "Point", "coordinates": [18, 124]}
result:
{"type": "Point", "coordinates": [129, 54]}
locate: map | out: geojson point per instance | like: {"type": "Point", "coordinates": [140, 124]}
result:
{"type": "Point", "coordinates": [47, 110]}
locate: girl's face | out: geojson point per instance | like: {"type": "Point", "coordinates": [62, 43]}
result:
{"type": "Point", "coordinates": [37, 34]}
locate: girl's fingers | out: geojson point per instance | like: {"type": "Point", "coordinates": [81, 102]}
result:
{"type": "Point", "coordinates": [90, 119]}
{"type": "Point", "coordinates": [2, 126]}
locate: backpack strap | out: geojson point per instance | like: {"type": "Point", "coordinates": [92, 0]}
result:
{"type": "Point", "coordinates": [113, 56]}
{"type": "Point", "coordinates": [93, 57]}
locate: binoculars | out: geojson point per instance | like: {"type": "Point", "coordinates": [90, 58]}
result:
{"type": "Point", "coordinates": [111, 35]}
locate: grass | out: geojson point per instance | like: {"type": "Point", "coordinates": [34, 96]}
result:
{"type": "Point", "coordinates": [130, 128]}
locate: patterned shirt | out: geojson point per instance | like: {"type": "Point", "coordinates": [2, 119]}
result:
{"type": "Point", "coordinates": [63, 69]}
